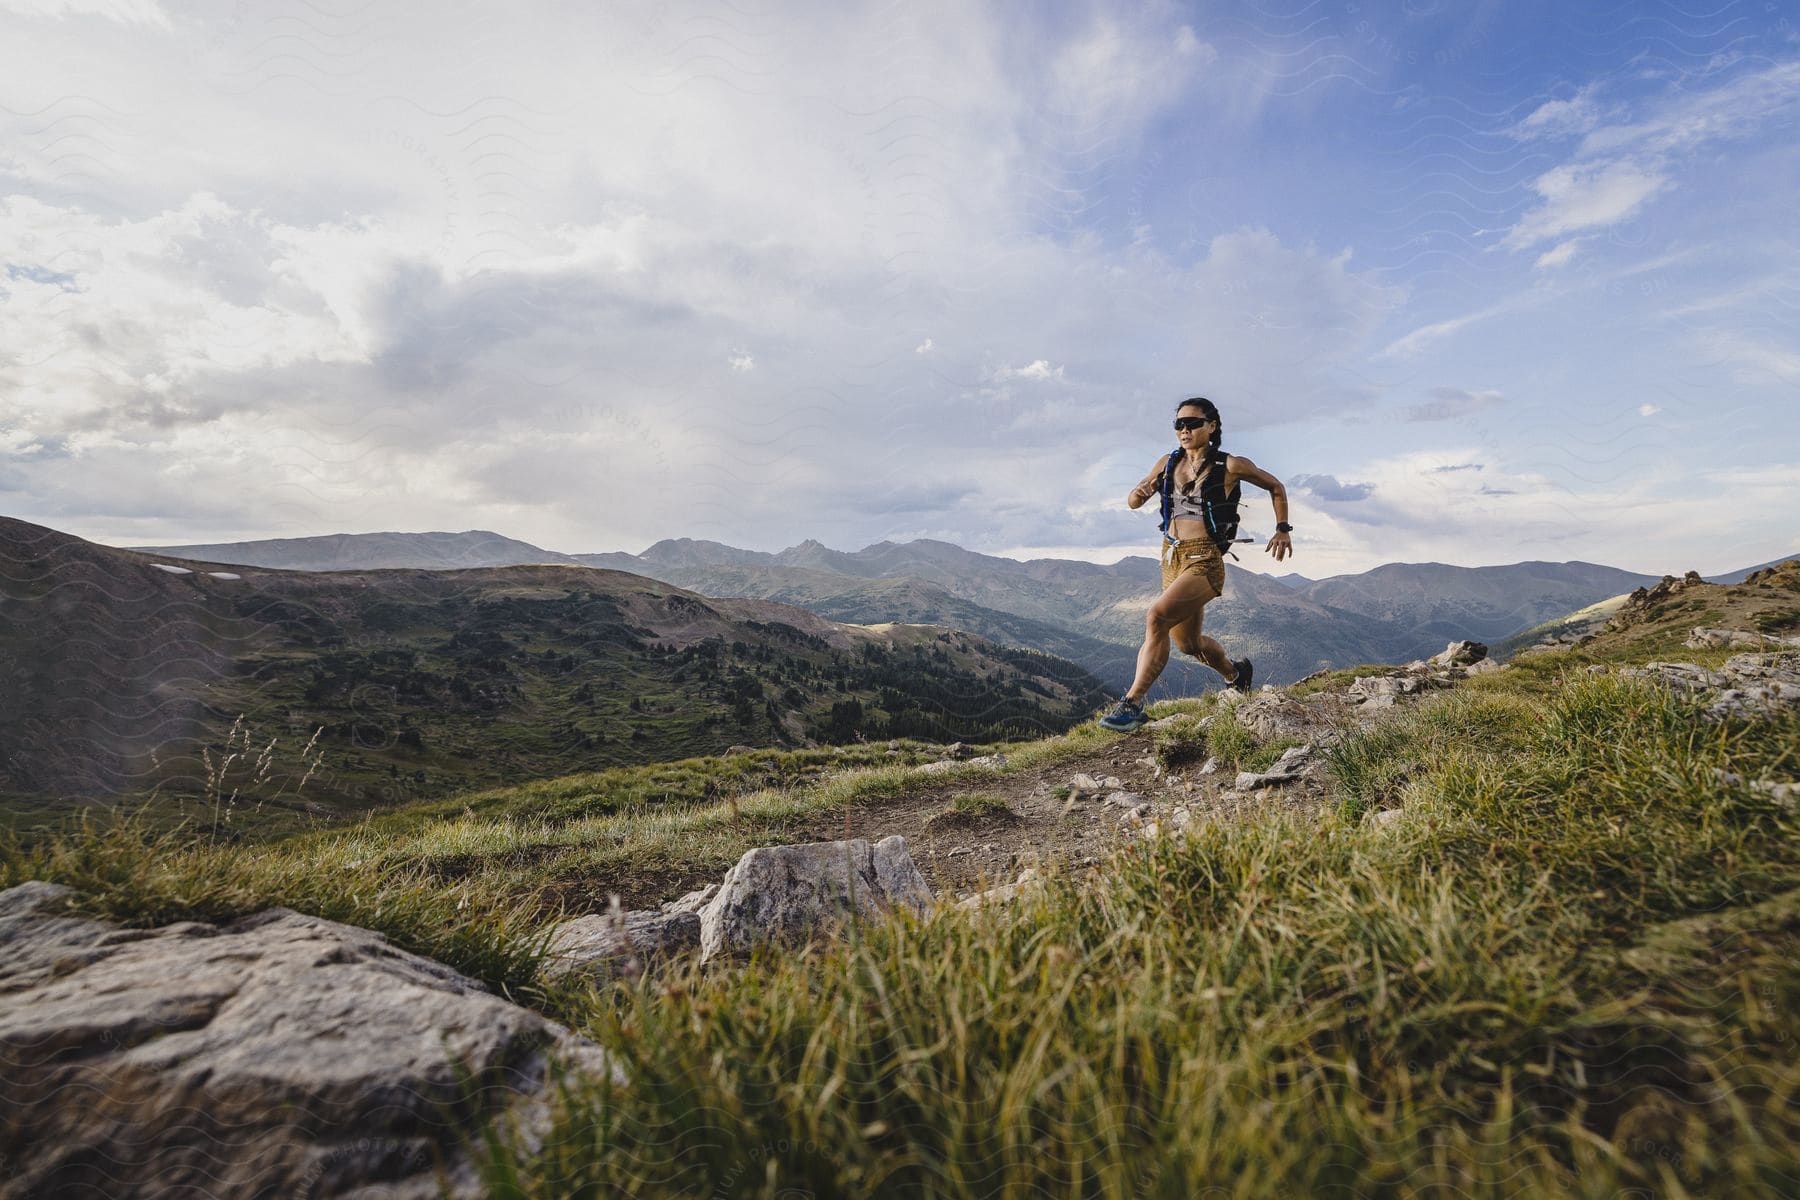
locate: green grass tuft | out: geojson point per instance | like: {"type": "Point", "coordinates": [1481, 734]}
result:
{"type": "Point", "coordinates": [1229, 742]}
{"type": "Point", "coordinates": [979, 804]}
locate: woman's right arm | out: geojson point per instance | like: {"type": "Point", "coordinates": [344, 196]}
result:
{"type": "Point", "coordinates": [1149, 485]}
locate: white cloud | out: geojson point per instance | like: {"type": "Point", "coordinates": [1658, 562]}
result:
{"type": "Point", "coordinates": [1556, 118]}
{"type": "Point", "coordinates": [1558, 255]}
{"type": "Point", "coordinates": [1620, 167]}
{"type": "Point", "coordinates": [1648, 410]}
{"type": "Point", "coordinates": [1448, 505]}
{"type": "Point", "coordinates": [1331, 489]}
{"type": "Point", "coordinates": [382, 281]}
{"type": "Point", "coordinates": [1038, 370]}
{"type": "Point", "coordinates": [1118, 68]}
{"type": "Point", "coordinates": [1688, 118]}
{"type": "Point", "coordinates": [119, 309]}
{"type": "Point", "coordinates": [1585, 196]}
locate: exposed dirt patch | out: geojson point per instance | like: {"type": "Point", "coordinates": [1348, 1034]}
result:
{"type": "Point", "coordinates": [960, 855]}
{"type": "Point", "coordinates": [588, 890]}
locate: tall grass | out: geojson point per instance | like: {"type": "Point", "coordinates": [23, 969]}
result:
{"type": "Point", "coordinates": [129, 872]}
{"type": "Point", "coordinates": [1276, 1007]}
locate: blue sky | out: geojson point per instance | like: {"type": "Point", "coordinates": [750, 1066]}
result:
{"type": "Point", "coordinates": [1482, 282]}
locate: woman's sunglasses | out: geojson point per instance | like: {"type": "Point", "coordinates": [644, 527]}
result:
{"type": "Point", "coordinates": [1182, 424]}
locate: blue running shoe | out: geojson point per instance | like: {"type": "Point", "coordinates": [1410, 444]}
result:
{"type": "Point", "coordinates": [1127, 718]}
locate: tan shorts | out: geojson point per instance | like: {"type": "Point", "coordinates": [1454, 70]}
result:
{"type": "Point", "coordinates": [1198, 555]}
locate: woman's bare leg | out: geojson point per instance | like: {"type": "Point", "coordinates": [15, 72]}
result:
{"type": "Point", "coordinates": [1181, 602]}
{"type": "Point", "coordinates": [1189, 640]}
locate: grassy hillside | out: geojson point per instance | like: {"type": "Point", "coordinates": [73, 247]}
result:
{"type": "Point", "coordinates": [1567, 628]}
{"type": "Point", "coordinates": [1657, 620]}
{"type": "Point", "coordinates": [204, 683]}
{"type": "Point", "coordinates": [1571, 968]}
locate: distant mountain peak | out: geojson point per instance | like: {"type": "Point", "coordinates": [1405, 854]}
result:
{"type": "Point", "coordinates": [436, 550]}
{"type": "Point", "coordinates": [683, 552]}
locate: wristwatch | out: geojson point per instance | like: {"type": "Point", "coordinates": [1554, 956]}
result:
{"type": "Point", "coordinates": [1283, 527]}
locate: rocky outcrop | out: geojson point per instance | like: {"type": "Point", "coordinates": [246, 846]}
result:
{"type": "Point", "coordinates": [1272, 715]}
{"type": "Point", "coordinates": [793, 893]}
{"type": "Point", "coordinates": [1129, 801]}
{"type": "Point", "coordinates": [1455, 662]}
{"type": "Point", "coordinates": [278, 1055]}
{"type": "Point", "coordinates": [1748, 685]}
{"type": "Point", "coordinates": [772, 894]}
{"type": "Point", "coordinates": [1382, 691]}
{"type": "Point", "coordinates": [1730, 639]}
{"type": "Point", "coordinates": [1682, 676]}
{"type": "Point", "coordinates": [1639, 605]}
{"type": "Point", "coordinates": [1460, 654]}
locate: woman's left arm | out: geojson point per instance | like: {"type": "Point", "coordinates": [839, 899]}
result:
{"type": "Point", "coordinates": [1281, 544]}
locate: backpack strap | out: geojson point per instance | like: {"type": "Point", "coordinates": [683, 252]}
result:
{"type": "Point", "coordinates": [1220, 506]}
{"type": "Point", "coordinates": [1168, 490]}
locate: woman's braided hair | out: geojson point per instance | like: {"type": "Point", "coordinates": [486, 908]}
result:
{"type": "Point", "coordinates": [1210, 411]}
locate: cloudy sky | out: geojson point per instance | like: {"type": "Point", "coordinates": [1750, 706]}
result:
{"type": "Point", "coordinates": [1482, 281]}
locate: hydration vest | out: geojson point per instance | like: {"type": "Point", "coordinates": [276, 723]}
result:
{"type": "Point", "coordinates": [1218, 506]}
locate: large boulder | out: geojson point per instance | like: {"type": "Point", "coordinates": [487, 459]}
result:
{"type": "Point", "coordinates": [277, 1055]}
{"type": "Point", "coordinates": [792, 893]}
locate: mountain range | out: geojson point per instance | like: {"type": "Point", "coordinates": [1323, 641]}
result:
{"type": "Point", "coordinates": [1086, 612]}
{"type": "Point", "coordinates": [127, 672]}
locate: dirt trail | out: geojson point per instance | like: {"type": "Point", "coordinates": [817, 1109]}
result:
{"type": "Point", "coordinates": [960, 854]}
{"type": "Point", "coordinates": [1072, 813]}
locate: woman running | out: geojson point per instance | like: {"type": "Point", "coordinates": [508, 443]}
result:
{"type": "Point", "coordinates": [1199, 487]}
